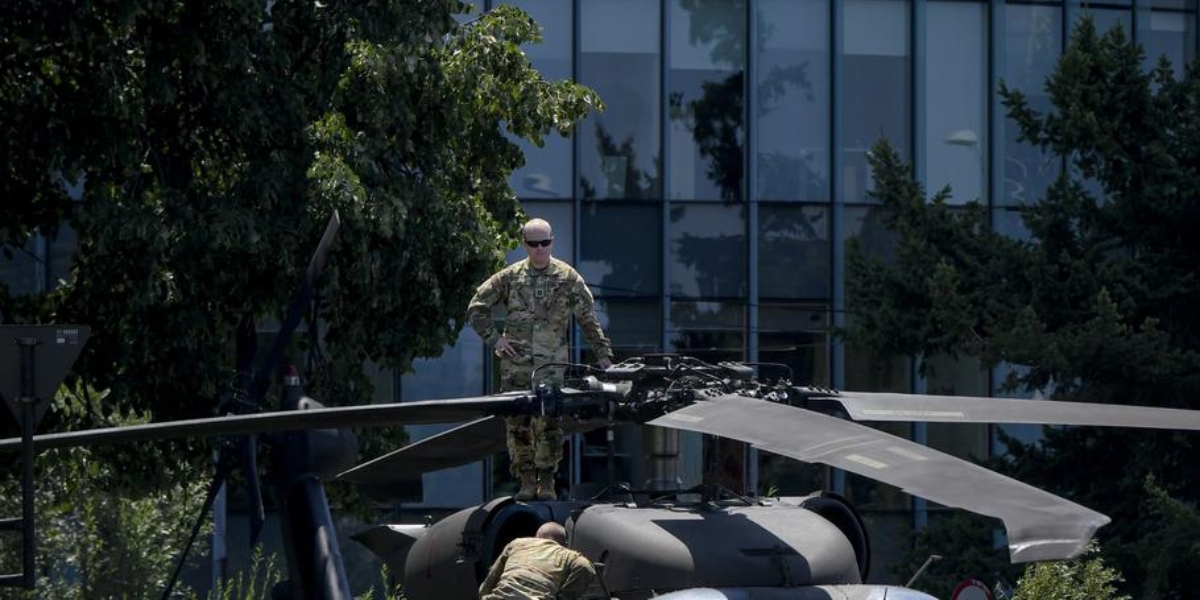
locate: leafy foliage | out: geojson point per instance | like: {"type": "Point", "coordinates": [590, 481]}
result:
{"type": "Point", "coordinates": [213, 140]}
{"type": "Point", "coordinates": [1169, 552]}
{"type": "Point", "coordinates": [1097, 306]}
{"type": "Point", "coordinates": [255, 582]}
{"type": "Point", "coordinates": [103, 532]}
{"type": "Point", "coordinates": [1083, 578]}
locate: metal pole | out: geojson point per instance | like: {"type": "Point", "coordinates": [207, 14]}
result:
{"type": "Point", "coordinates": [928, 561]}
{"type": "Point", "coordinates": [27, 400]}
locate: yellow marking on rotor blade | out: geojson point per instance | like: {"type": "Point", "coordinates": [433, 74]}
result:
{"type": "Point", "coordinates": [863, 460]}
{"type": "Point", "coordinates": [909, 454]}
{"type": "Point", "coordinates": [888, 412]}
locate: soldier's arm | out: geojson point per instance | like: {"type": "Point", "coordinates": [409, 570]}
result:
{"type": "Point", "coordinates": [493, 576]}
{"type": "Point", "coordinates": [584, 307]}
{"type": "Point", "coordinates": [479, 311]}
{"type": "Point", "coordinates": [581, 577]}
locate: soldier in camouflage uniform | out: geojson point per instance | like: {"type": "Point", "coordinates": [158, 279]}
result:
{"type": "Point", "coordinates": [540, 293]}
{"type": "Point", "coordinates": [539, 568]}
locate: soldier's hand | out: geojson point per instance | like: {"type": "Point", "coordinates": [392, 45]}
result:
{"type": "Point", "coordinates": [504, 348]}
{"type": "Point", "coordinates": [604, 363]}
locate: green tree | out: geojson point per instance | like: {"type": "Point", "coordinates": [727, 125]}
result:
{"type": "Point", "coordinates": [196, 149]}
{"type": "Point", "coordinates": [213, 139]}
{"type": "Point", "coordinates": [1097, 305]}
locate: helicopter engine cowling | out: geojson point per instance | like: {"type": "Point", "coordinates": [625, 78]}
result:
{"type": "Point", "coordinates": [452, 557]}
{"type": "Point", "coordinates": [837, 510]}
{"type": "Point", "coordinates": [671, 547]}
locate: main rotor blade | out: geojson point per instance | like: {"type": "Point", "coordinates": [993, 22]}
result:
{"type": "Point", "coordinates": [462, 445]}
{"type": "Point", "coordinates": [1041, 526]}
{"type": "Point", "coordinates": [372, 415]}
{"type": "Point", "coordinates": [459, 446]}
{"type": "Point", "coordinates": [876, 406]}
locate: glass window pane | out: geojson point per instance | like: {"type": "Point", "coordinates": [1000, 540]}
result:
{"type": "Point", "coordinates": [710, 331]}
{"type": "Point", "coordinates": [547, 170]}
{"type": "Point", "coordinates": [561, 222]}
{"type": "Point", "coordinates": [619, 154]}
{"type": "Point", "coordinates": [632, 267]}
{"type": "Point", "coordinates": [956, 99]}
{"type": "Point", "coordinates": [456, 373]}
{"type": "Point", "coordinates": [708, 251]}
{"type": "Point", "coordinates": [1180, 4]}
{"type": "Point", "coordinates": [628, 452]}
{"type": "Point", "coordinates": [796, 335]}
{"type": "Point", "coordinates": [708, 46]}
{"type": "Point", "coordinates": [793, 100]}
{"type": "Point", "coordinates": [877, 88]}
{"type": "Point", "coordinates": [865, 224]}
{"type": "Point", "coordinates": [1108, 18]}
{"type": "Point", "coordinates": [633, 325]}
{"type": "Point", "coordinates": [1033, 44]}
{"type": "Point", "coordinates": [1172, 35]}
{"type": "Point", "coordinates": [793, 251]}
{"type": "Point", "coordinates": [1010, 223]}
{"type": "Point", "coordinates": [22, 273]}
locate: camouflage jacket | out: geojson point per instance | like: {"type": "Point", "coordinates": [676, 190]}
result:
{"type": "Point", "coordinates": [540, 304]}
{"type": "Point", "coordinates": [538, 569]}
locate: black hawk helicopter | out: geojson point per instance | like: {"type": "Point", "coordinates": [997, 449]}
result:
{"type": "Point", "coordinates": [672, 544]}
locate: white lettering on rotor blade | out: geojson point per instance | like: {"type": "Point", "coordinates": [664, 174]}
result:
{"type": "Point", "coordinates": [863, 460]}
{"type": "Point", "coordinates": [909, 454]}
{"type": "Point", "coordinates": [937, 414]}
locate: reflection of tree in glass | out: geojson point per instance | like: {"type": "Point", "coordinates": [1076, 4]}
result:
{"type": "Point", "coordinates": [717, 118]}
{"type": "Point", "coordinates": [721, 23]}
{"type": "Point", "coordinates": [718, 260]}
{"type": "Point", "coordinates": [873, 237]}
{"type": "Point", "coordinates": [619, 166]}
{"type": "Point", "coordinates": [794, 253]}
{"type": "Point", "coordinates": [776, 169]}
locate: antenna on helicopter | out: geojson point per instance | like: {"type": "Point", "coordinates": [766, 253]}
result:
{"type": "Point", "coordinates": [925, 565]}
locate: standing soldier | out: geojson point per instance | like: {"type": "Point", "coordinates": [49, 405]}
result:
{"type": "Point", "coordinates": [540, 293]}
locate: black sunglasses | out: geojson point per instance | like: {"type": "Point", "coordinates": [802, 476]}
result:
{"type": "Point", "coordinates": [536, 243]}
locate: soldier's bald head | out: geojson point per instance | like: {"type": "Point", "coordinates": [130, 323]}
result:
{"type": "Point", "coordinates": [537, 227]}
{"type": "Point", "coordinates": [554, 532]}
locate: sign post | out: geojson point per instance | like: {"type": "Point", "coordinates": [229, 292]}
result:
{"type": "Point", "coordinates": [34, 360]}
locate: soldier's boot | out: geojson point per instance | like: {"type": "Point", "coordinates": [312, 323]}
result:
{"type": "Point", "coordinates": [528, 489]}
{"type": "Point", "coordinates": [545, 485]}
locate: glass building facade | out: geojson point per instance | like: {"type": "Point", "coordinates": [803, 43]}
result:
{"type": "Point", "coordinates": [710, 204]}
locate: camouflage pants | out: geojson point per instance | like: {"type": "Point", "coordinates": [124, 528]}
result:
{"type": "Point", "coordinates": [534, 443]}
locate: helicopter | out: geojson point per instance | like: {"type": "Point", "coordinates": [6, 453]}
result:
{"type": "Point", "coordinates": [699, 543]}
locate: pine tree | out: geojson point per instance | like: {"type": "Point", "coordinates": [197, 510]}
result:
{"type": "Point", "coordinates": [1099, 303]}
